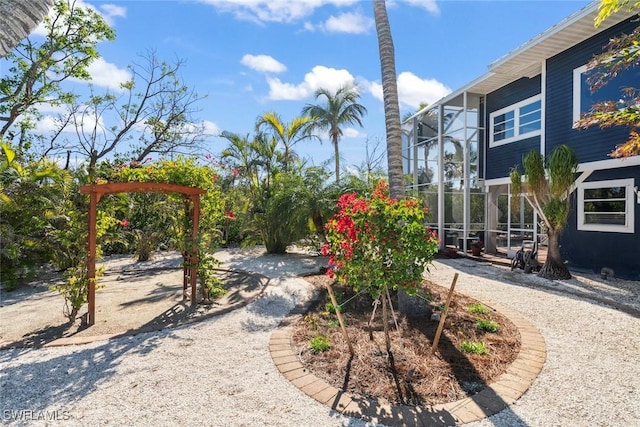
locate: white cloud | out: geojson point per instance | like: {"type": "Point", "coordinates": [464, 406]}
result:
{"type": "Point", "coordinates": [319, 77]}
{"type": "Point", "coordinates": [412, 90]}
{"type": "Point", "coordinates": [110, 11]}
{"type": "Point", "coordinates": [353, 133]}
{"type": "Point", "coordinates": [430, 5]}
{"type": "Point", "coordinates": [263, 63]}
{"type": "Point", "coordinates": [105, 74]}
{"type": "Point", "coordinates": [352, 23]}
{"type": "Point", "coordinates": [210, 128]}
{"type": "Point", "coordinates": [261, 11]}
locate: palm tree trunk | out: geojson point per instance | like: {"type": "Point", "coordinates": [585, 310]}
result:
{"type": "Point", "coordinates": [390, 96]}
{"type": "Point", "coordinates": [337, 154]}
{"type": "Point", "coordinates": [554, 268]}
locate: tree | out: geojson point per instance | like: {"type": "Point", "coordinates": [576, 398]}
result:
{"type": "Point", "coordinates": [288, 134]}
{"type": "Point", "coordinates": [277, 213]}
{"type": "Point", "coordinates": [550, 198]}
{"type": "Point", "coordinates": [620, 54]}
{"type": "Point", "coordinates": [341, 108]}
{"type": "Point", "coordinates": [390, 97]}
{"type": "Point", "coordinates": [36, 70]}
{"type": "Point", "coordinates": [156, 110]}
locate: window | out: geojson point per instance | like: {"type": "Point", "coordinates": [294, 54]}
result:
{"type": "Point", "coordinates": [517, 121]}
{"type": "Point", "coordinates": [606, 206]}
{"type": "Point", "coordinates": [583, 98]}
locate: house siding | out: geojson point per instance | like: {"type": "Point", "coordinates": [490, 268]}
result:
{"type": "Point", "coordinates": [505, 157]}
{"type": "Point", "coordinates": [592, 250]}
{"type": "Point", "coordinates": [590, 144]}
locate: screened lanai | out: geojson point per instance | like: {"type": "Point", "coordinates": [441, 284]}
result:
{"type": "Point", "coordinates": [443, 155]}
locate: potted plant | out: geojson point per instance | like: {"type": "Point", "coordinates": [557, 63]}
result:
{"type": "Point", "coordinates": [476, 248]}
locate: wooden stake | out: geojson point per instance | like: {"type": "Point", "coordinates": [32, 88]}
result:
{"type": "Point", "coordinates": [444, 314]}
{"type": "Point", "coordinates": [340, 319]}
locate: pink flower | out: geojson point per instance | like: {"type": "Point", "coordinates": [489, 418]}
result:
{"type": "Point", "coordinates": [124, 223]}
{"type": "Point", "coordinates": [235, 172]}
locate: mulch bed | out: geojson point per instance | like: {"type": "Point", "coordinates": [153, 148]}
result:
{"type": "Point", "coordinates": [411, 376]}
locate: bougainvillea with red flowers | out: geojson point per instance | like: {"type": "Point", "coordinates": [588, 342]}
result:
{"type": "Point", "coordinates": [378, 242]}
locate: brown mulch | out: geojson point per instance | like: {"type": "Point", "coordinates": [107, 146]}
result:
{"type": "Point", "coordinates": [411, 376]}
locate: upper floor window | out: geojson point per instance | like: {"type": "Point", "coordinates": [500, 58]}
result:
{"type": "Point", "coordinates": [583, 98]}
{"type": "Point", "coordinates": [517, 121]}
{"type": "Point", "coordinates": [606, 206]}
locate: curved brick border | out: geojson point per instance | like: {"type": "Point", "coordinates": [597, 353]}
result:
{"type": "Point", "coordinates": [504, 391]}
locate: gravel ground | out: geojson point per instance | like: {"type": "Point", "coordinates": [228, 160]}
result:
{"type": "Point", "coordinates": [218, 372]}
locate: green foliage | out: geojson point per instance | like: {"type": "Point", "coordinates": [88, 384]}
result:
{"type": "Point", "coordinates": [75, 289]}
{"type": "Point", "coordinates": [478, 308]}
{"type": "Point", "coordinates": [319, 344]}
{"type": "Point", "coordinates": [36, 69]}
{"type": "Point", "coordinates": [378, 243]}
{"type": "Point", "coordinates": [609, 7]}
{"type": "Point", "coordinates": [212, 286]}
{"type": "Point", "coordinates": [548, 193]}
{"type": "Point", "coordinates": [339, 109]}
{"type": "Point", "coordinates": [474, 347]}
{"type": "Point", "coordinates": [31, 201]}
{"type": "Point", "coordinates": [487, 325]}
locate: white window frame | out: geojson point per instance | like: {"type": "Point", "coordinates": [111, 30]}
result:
{"type": "Point", "coordinates": [577, 90]}
{"type": "Point", "coordinates": [516, 122]}
{"type": "Point", "coordinates": [629, 206]}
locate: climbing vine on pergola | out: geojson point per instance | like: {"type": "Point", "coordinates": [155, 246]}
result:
{"type": "Point", "coordinates": [192, 206]}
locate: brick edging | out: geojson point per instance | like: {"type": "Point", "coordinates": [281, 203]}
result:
{"type": "Point", "coordinates": [498, 395]}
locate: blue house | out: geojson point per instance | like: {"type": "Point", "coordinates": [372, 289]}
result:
{"type": "Point", "coordinates": [461, 149]}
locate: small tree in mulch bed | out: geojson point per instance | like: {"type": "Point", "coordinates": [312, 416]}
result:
{"type": "Point", "coordinates": [378, 243]}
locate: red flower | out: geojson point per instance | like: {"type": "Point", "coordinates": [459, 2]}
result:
{"type": "Point", "coordinates": [124, 223]}
{"type": "Point", "coordinates": [229, 214]}
{"type": "Point", "coordinates": [235, 172]}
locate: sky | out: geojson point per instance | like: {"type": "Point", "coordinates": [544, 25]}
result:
{"type": "Point", "coordinates": [254, 56]}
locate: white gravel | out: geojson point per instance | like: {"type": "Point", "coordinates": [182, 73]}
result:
{"type": "Point", "coordinates": [218, 372]}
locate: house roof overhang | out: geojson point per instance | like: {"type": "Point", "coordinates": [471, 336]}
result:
{"type": "Point", "coordinates": [527, 60]}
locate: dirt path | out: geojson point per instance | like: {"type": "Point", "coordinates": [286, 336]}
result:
{"type": "Point", "coordinates": [135, 297]}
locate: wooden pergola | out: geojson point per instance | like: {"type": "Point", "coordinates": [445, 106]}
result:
{"type": "Point", "coordinates": [96, 191]}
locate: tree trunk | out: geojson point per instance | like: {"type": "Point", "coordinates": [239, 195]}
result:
{"type": "Point", "coordinates": [554, 268]}
{"type": "Point", "coordinates": [390, 97]}
{"type": "Point", "coordinates": [337, 154]}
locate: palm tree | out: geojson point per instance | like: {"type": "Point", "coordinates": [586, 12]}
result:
{"type": "Point", "coordinates": [289, 134]}
{"type": "Point", "coordinates": [549, 191]}
{"type": "Point", "coordinates": [17, 19]}
{"type": "Point", "coordinates": [390, 97]}
{"type": "Point", "coordinates": [341, 108]}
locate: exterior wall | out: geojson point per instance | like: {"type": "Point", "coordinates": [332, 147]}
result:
{"type": "Point", "coordinates": [591, 144]}
{"type": "Point", "coordinates": [501, 159]}
{"type": "Point", "coordinates": [592, 250]}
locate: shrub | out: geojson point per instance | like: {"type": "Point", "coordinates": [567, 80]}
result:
{"type": "Point", "coordinates": [474, 347]}
{"type": "Point", "coordinates": [487, 325]}
{"type": "Point", "coordinates": [478, 308]}
{"type": "Point", "coordinates": [319, 344]}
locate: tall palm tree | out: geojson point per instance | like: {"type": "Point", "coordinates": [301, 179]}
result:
{"type": "Point", "coordinates": [341, 108]}
{"type": "Point", "coordinates": [17, 19]}
{"type": "Point", "coordinates": [390, 97]}
{"type": "Point", "coordinates": [289, 134]}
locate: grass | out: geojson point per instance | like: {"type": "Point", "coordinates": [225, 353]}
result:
{"type": "Point", "coordinates": [474, 347]}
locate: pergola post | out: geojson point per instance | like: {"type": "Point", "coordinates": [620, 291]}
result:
{"type": "Point", "coordinates": [195, 219]}
{"type": "Point", "coordinates": [91, 260]}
